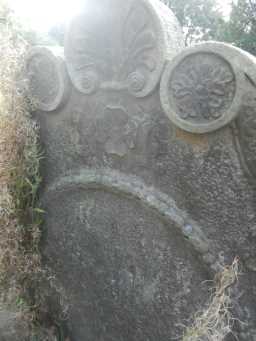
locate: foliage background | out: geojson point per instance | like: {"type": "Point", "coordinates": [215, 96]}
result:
{"type": "Point", "coordinates": [203, 20]}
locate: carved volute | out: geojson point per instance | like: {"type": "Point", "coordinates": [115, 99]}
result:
{"type": "Point", "coordinates": [149, 159]}
{"type": "Point", "coordinates": [115, 45]}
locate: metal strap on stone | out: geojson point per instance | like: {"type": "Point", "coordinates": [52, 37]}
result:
{"type": "Point", "coordinates": [47, 75]}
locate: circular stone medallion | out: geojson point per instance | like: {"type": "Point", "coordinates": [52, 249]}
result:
{"type": "Point", "coordinates": [47, 79]}
{"type": "Point", "coordinates": [200, 89]}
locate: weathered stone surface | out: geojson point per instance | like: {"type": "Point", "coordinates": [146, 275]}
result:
{"type": "Point", "coordinates": [117, 45]}
{"type": "Point", "coordinates": [48, 81]}
{"type": "Point", "coordinates": [244, 127]}
{"type": "Point", "coordinates": [205, 179]}
{"type": "Point", "coordinates": [14, 328]}
{"type": "Point", "coordinates": [139, 211]}
{"type": "Point", "coordinates": [202, 89]}
{"type": "Point", "coordinates": [123, 267]}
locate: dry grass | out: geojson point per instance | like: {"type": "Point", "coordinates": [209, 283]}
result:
{"type": "Point", "coordinates": [19, 174]}
{"type": "Point", "coordinates": [215, 322]}
{"type": "Point", "coordinates": [20, 261]}
{"type": "Point", "coordinates": [25, 286]}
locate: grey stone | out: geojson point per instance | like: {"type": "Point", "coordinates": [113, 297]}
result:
{"type": "Point", "coordinates": [48, 81]}
{"type": "Point", "coordinates": [12, 328]}
{"type": "Point", "coordinates": [202, 89]}
{"type": "Point", "coordinates": [116, 45]}
{"type": "Point", "coordinates": [244, 127]}
{"type": "Point", "coordinates": [140, 212]}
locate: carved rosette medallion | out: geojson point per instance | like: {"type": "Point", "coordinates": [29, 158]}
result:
{"type": "Point", "coordinates": [203, 87]}
{"type": "Point", "coordinates": [199, 90]}
{"type": "Point", "coordinates": [118, 45]}
{"type": "Point", "coordinates": [48, 82]}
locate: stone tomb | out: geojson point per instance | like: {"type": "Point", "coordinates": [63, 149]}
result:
{"type": "Point", "coordinates": [149, 171]}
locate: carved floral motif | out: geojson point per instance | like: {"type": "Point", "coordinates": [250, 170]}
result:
{"type": "Point", "coordinates": [203, 88]}
{"type": "Point", "coordinates": [114, 50]}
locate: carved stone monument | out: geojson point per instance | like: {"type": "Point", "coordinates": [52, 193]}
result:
{"type": "Point", "coordinates": [149, 171]}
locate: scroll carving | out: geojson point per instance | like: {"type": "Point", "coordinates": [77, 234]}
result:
{"type": "Point", "coordinates": [119, 49]}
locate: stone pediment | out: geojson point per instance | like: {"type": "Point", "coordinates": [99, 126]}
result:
{"type": "Point", "coordinates": [149, 160]}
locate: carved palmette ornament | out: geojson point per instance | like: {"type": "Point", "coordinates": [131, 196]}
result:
{"type": "Point", "coordinates": [121, 45]}
{"type": "Point", "coordinates": [202, 88]}
{"type": "Point", "coordinates": [47, 77]}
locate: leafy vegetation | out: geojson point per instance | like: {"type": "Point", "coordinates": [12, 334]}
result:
{"type": "Point", "coordinates": [24, 283]}
{"type": "Point", "coordinates": [19, 173]}
{"type": "Point", "coordinates": [240, 29]}
{"type": "Point", "coordinates": [200, 19]}
{"type": "Point", "coordinates": [203, 20]}
{"type": "Point", "coordinates": [20, 29]}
